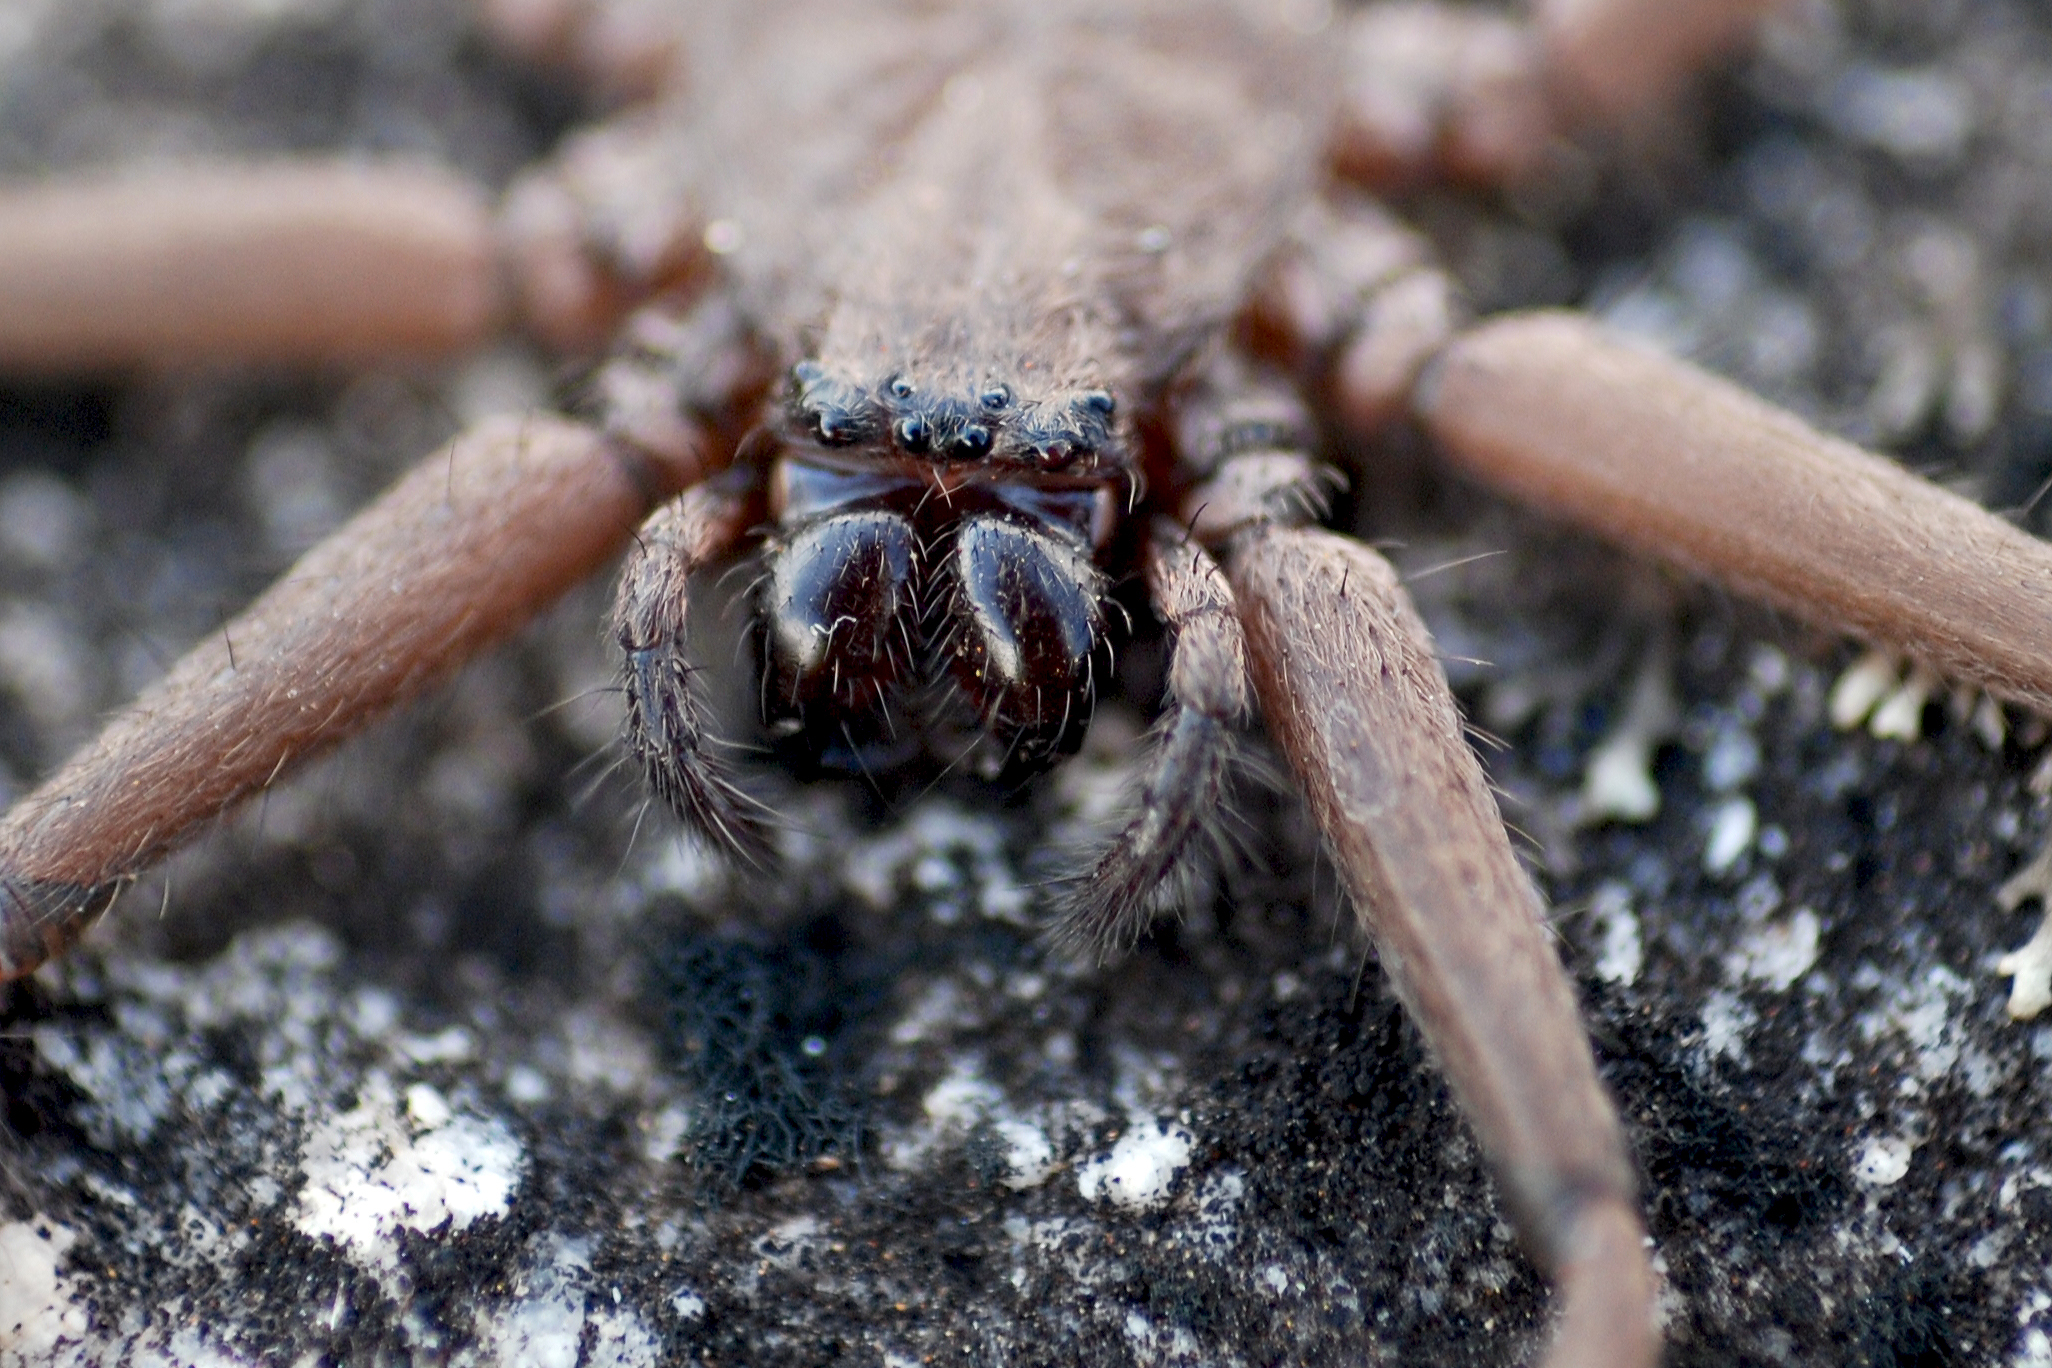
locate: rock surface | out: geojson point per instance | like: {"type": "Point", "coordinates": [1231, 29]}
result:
{"type": "Point", "coordinates": [443, 1053]}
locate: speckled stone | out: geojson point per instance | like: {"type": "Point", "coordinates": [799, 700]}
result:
{"type": "Point", "coordinates": [447, 1052]}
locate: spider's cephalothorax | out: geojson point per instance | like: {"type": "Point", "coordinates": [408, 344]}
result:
{"type": "Point", "coordinates": [932, 584]}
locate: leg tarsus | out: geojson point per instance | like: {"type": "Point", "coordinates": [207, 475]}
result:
{"type": "Point", "coordinates": [667, 725]}
{"type": "Point", "coordinates": [1189, 763]}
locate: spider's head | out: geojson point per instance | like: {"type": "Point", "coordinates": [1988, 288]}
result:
{"type": "Point", "coordinates": [995, 423]}
{"type": "Point", "coordinates": [932, 586]}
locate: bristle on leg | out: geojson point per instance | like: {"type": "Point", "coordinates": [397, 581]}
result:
{"type": "Point", "coordinates": [1189, 763]}
{"type": "Point", "coordinates": [666, 728]}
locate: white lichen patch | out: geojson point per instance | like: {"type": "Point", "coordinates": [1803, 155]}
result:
{"type": "Point", "coordinates": [1857, 692]}
{"type": "Point", "coordinates": [1621, 951]}
{"type": "Point", "coordinates": [39, 1308]}
{"type": "Point", "coordinates": [942, 1009]}
{"type": "Point", "coordinates": [962, 1098]}
{"type": "Point", "coordinates": [1152, 1343]}
{"type": "Point", "coordinates": [1924, 1013]}
{"type": "Point", "coordinates": [1218, 1201]}
{"type": "Point", "coordinates": [1618, 783]}
{"type": "Point", "coordinates": [1726, 1021]}
{"type": "Point", "coordinates": [1777, 953]}
{"type": "Point", "coordinates": [2030, 964]}
{"type": "Point", "coordinates": [1141, 1168]}
{"type": "Point", "coordinates": [374, 1171]}
{"type": "Point", "coordinates": [558, 1318]}
{"type": "Point", "coordinates": [1901, 715]}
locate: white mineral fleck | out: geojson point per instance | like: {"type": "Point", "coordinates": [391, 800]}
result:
{"type": "Point", "coordinates": [42, 520]}
{"type": "Point", "coordinates": [1622, 953]}
{"type": "Point", "coordinates": [1778, 953]}
{"type": "Point", "coordinates": [1732, 760]}
{"type": "Point", "coordinates": [1733, 824]}
{"type": "Point", "coordinates": [43, 663]}
{"type": "Point", "coordinates": [1883, 1161]}
{"type": "Point", "coordinates": [1029, 1157]}
{"type": "Point", "coordinates": [527, 1085]}
{"type": "Point", "coordinates": [369, 1175]}
{"type": "Point", "coordinates": [1923, 115]}
{"type": "Point", "coordinates": [1140, 1168]}
{"type": "Point", "coordinates": [37, 1307]}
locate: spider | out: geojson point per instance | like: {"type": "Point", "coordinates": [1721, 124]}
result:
{"type": "Point", "coordinates": [844, 392]}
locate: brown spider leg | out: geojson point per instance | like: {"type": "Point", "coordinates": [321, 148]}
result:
{"type": "Point", "coordinates": [1359, 305]}
{"type": "Point", "coordinates": [1189, 759]}
{"type": "Point", "coordinates": [1345, 674]}
{"type": "Point", "coordinates": [461, 551]}
{"type": "Point", "coordinates": [1661, 457]}
{"type": "Point", "coordinates": [1478, 95]}
{"type": "Point", "coordinates": [1242, 433]}
{"type": "Point", "coordinates": [667, 725]}
{"type": "Point", "coordinates": [289, 262]}
{"type": "Point", "coordinates": [608, 222]}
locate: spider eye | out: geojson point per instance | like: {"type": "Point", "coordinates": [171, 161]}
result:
{"type": "Point", "coordinates": [973, 440]}
{"type": "Point", "coordinates": [995, 399]}
{"type": "Point", "coordinates": [899, 387]}
{"type": "Point", "coordinates": [914, 433]}
{"type": "Point", "coordinates": [1099, 402]}
{"type": "Point", "coordinates": [808, 373]}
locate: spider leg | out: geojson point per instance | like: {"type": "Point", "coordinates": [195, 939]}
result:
{"type": "Point", "coordinates": [466, 547]}
{"type": "Point", "coordinates": [1189, 760]}
{"type": "Point", "coordinates": [1480, 95]}
{"type": "Point", "coordinates": [1661, 457]}
{"type": "Point", "coordinates": [305, 262]}
{"type": "Point", "coordinates": [288, 262]}
{"type": "Point", "coordinates": [667, 727]}
{"type": "Point", "coordinates": [1346, 678]}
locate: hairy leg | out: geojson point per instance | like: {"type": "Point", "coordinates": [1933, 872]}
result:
{"type": "Point", "coordinates": [459, 553]}
{"type": "Point", "coordinates": [1435, 88]}
{"type": "Point", "coordinates": [288, 262]}
{"type": "Point", "coordinates": [1346, 678]}
{"type": "Point", "coordinates": [1189, 756]}
{"type": "Point", "coordinates": [1666, 459]}
{"type": "Point", "coordinates": [667, 729]}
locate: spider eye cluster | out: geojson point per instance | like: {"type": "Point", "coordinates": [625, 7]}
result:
{"type": "Point", "coordinates": [1054, 434]}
